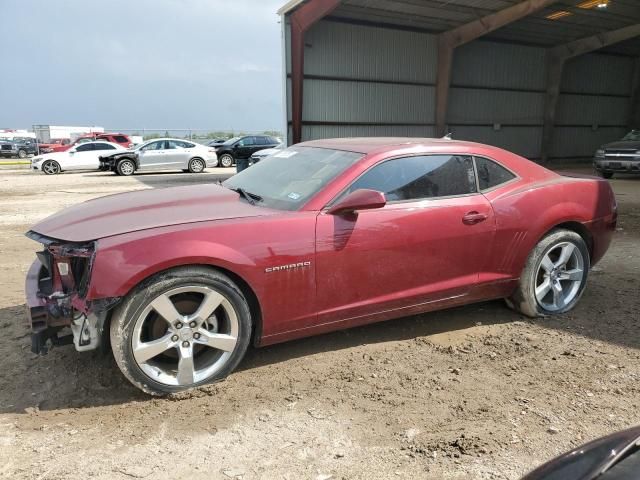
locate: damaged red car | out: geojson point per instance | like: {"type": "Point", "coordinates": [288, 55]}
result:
{"type": "Point", "coordinates": [321, 236]}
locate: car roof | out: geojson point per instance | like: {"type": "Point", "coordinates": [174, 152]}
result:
{"type": "Point", "coordinates": [380, 144]}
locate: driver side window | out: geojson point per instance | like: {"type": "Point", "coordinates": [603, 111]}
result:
{"type": "Point", "coordinates": [420, 177]}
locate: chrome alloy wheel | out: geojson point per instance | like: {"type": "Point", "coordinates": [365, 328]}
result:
{"type": "Point", "coordinates": [185, 335]}
{"type": "Point", "coordinates": [127, 168]}
{"type": "Point", "coordinates": [559, 276]}
{"type": "Point", "coordinates": [197, 165]}
{"type": "Point", "coordinates": [50, 167]}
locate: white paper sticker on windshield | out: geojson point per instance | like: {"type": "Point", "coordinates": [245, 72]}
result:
{"type": "Point", "coordinates": [285, 154]}
{"type": "Point", "coordinates": [294, 196]}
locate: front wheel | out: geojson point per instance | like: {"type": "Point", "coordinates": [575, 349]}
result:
{"type": "Point", "coordinates": [226, 160]}
{"type": "Point", "coordinates": [180, 329]}
{"type": "Point", "coordinates": [22, 154]}
{"type": "Point", "coordinates": [51, 167]}
{"type": "Point", "coordinates": [554, 277]}
{"type": "Point", "coordinates": [125, 167]}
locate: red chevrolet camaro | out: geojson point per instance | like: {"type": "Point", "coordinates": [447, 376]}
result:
{"type": "Point", "coordinates": [321, 236]}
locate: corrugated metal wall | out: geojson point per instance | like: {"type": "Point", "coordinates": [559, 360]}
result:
{"type": "Point", "coordinates": [594, 103]}
{"type": "Point", "coordinates": [363, 80]}
{"type": "Point", "coordinates": [367, 81]}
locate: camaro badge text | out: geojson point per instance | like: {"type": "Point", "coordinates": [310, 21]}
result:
{"type": "Point", "coordinates": [291, 266]}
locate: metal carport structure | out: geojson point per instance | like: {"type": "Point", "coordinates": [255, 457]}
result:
{"type": "Point", "coordinates": [544, 78]}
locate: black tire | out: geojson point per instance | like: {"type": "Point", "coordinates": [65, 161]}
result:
{"type": "Point", "coordinates": [197, 165]}
{"type": "Point", "coordinates": [126, 167]}
{"type": "Point", "coordinates": [226, 160]}
{"type": "Point", "coordinates": [51, 167]}
{"type": "Point", "coordinates": [524, 299]}
{"type": "Point", "coordinates": [128, 314]}
{"type": "Point", "coordinates": [22, 154]}
{"type": "Point", "coordinates": [607, 175]}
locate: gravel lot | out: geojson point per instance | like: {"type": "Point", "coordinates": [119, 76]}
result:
{"type": "Point", "coordinates": [470, 393]}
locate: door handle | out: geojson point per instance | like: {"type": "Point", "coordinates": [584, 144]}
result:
{"type": "Point", "coordinates": [471, 218]}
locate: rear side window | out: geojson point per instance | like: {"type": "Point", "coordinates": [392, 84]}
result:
{"type": "Point", "coordinates": [103, 146]}
{"type": "Point", "coordinates": [413, 178]}
{"type": "Point", "coordinates": [262, 140]}
{"type": "Point", "coordinates": [490, 174]}
{"type": "Point", "coordinates": [121, 139]}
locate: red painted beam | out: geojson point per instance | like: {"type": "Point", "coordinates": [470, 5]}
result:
{"type": "Point", "coordinates": [301, 20]}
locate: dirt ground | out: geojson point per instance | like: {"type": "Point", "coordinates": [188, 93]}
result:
{"type": "Point", "coordinates": [470, 393]}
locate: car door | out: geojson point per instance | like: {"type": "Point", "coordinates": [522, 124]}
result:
{"type": "Point", "coordinates": [425, 247]}
{"type": "Point", "coordinates": [178, 154]}
{"type": "Point", "coordinates": [244, 147]}
{"type": "Point", "coordinates": [152, 156]}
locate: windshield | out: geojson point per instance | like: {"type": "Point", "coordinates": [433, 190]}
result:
{"type": "Point", "coordinates": [633, 135]}
{"type": "Point", "coordinates": [232, 141]}
{"type": "Point", "coordinates": [288, 179]}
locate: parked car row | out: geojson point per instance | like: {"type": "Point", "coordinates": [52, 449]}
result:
{"type": "Point", "coordinates": [115, 153]}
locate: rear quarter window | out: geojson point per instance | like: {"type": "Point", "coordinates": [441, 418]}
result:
{"type": "Point", "coordinates": [491, 174]}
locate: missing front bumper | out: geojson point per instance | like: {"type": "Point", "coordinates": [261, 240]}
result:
{"type": "Point", "coordinates": [50, 312]}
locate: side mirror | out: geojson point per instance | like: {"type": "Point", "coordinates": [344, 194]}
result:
{"type": "Point", "coordinates": [362, 199]}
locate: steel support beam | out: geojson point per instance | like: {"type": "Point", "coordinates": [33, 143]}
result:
{"type": "Point", "coordinates": [634, 106]}
{"type": "Point", "coordinates": [303, 18]}
{"type": "Point", "coordinates": [449, 40]}
{"type": "Point", "coordinates": [556, 58]}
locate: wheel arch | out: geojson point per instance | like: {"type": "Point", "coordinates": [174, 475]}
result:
{"type": "Point", "coordinates": [576, 227]}
{"type": "Point", "coordinates": [247, 290]}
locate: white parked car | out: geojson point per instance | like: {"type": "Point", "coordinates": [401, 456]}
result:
{"type": "Point", "coordinates": [85, 156]}
{"type": "Point", "coordinates": [161, 154]}
{"type": "Point", "coordinates": [262, 154]}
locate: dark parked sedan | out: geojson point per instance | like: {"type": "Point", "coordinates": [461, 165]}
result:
{"type": "Point", "coordinates": [622, 156]}
{"type": "Point", "coordinates": [243, 147]}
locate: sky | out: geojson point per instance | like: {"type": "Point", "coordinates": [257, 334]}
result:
{"type": "Point", "coordinates": [154, 64]}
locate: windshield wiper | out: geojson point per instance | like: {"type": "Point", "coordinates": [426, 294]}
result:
{"type": "Point", "coordinates": [249, 197]}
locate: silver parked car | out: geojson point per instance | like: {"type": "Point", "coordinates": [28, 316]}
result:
{"type": "Point", "coordinates": [161, 154]}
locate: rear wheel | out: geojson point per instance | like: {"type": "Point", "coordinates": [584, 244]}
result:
{"type": "Point", "coordinates": [181, 329]}
{"type": "Point", "coordinates": [196, 165]}
{"type": "Point", "coordinates": [226, 160]}
{"type": "Point", "coordinates": [554, 277]}
{"type": "Point", "coordinates": [51, 167]}
{"type": "Point", "coordinates": [126, 167]}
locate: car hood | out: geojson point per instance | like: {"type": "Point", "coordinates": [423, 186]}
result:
{"type": "Point", "coordinates": [623, 144]}
{"type": "Point", "coordinates": [144, 209]}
